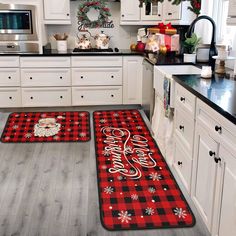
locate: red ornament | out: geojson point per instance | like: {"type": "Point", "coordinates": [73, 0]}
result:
{"type": "Point", "coordinates": [140, 47]}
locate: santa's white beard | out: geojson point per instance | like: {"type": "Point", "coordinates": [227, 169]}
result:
{"type": "Point", "coordinates": [43, 132]}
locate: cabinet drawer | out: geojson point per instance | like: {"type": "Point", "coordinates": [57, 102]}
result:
{"type": "Point", "coordinates": [96, 95]}
{"type": "Point", "coordinates": [222, 129]}
{"type": "Point", "coordinates": [10, 97]}
{"type": "Point", "coordinates": [184, 129]}
{"type": "Point", "coordinates": [100, 61]}
{"type": "Point", "coordinates": [183, 165]}
{"type": "Point", "coordinates": [185, 100]}
{"type": "Point", "coordinates": [9, 61]}
{"type": "Point", "coordinates": [45, 77]}
{"type": "Point", "coordinates": [96, 76]}
{"type": "Point", "coordinates": [45, 61]}
{"type": "Point", "coordinates": [43, 97]}
{"type": "Point", "coordinates": [9, 77]}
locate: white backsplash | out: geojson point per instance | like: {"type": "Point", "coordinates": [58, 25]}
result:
{"type": "Point", "coordinates": [122, 36]}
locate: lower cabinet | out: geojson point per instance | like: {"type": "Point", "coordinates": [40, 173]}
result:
{"type": "Point", "coordinates": [96, 95]}
{"type": "Point", "coordinates": [10, 97]}
{"type": "Point", "coordinates": [204, 175]}
{"type": "Point", "coordinates": [46, 96]}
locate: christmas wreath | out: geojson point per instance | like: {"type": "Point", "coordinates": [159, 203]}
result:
{"type": "Point", "coordinates": [100, 6]}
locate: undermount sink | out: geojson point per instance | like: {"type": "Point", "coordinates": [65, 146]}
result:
{"type": "Point", "coordinates": [180, 70]}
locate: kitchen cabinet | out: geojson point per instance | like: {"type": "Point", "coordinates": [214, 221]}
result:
{"type": "Point", "coordinates": [231, 20]}
{"type": "Point", "coordinates": [132, 80]}
{"type": "Point", "coordinates": [184, 123]}
{"type": "Point", "coordinates": [96, 80]}
{"type": "Point", "coordinates": [45, 81]}
{"type": "Point", "coordinates": [214, 170]}
{"type": "Point", "coordinates": [10, 93]}
{"type": "Point", "coordinates": [57, 12]}
{"type": "Point", "coordinates": [150, 14]}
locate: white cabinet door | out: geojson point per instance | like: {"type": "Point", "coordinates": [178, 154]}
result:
{"type": "Point", "coordinates": [132, 80]}
{"type": "Point", "coordinates": [57, 10]}
{"type": "Point", "coordinates": [152, 11]}
{"type": "Point", "coordinates": [10, 97]}
{"type": "Point", "coordinates": [228, 208]}
{"type": "Point", "coordinates": [171, 11]}
{"type": "Point", "coordinates": [130, 10]}
{"type": "Point", "coordinates": [204, 174]}
{"type": "Point", "coordinates": [232, 8]}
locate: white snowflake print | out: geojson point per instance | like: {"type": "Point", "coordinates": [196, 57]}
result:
{"type": "Point", "coordinates": [180, 212]}
{"type": "Point", "coordinates": [139, 127]}
{"type": "Point", "coordinates": [151, 190]}
{"type": "Point", "coordinates": [60, 117]}
{"type": "Point", "coordinates": [56, 137]}
{"type": "Point", "coordinates": [17, 115]}
{"type": "Point", "coordinates": [119, 177]}
{"type": "Point", "coordinates": [124, 216]}
{"type": "Point", "coordinates": [43, 115]}
{"type": "Point", "coordinates": [82, 134]}
{"type": "Point", "coordinates": [134, 196]}
{"type": "Point", "coordinates": [7, 138]}
{"type": "Point", "coordinates": [149, 211]}
{"type": "Point", "coordinates": [68, 130]}
{"type": "Point", "coordinates": [106, 153]}
{"type": "Point", "coordinates": [129, 118]}
{"type": "Point", "coordinates": [103, 121]}
{"type": "Point", "coordinates": [82, 114]}
{"type": "Point", "coordinates": [108, 190]}
{"type": "Point", "coordinates": [115, 114]}
{"type": "Point", "coordinates": [104, 167]}
{"type": "Point", "coordinates": [76, 122]}
{"type": "Point", "coordinates": [154, 176]}
{"type": "Point", "coordinates": [134, 113]}
{"type": "Point", "coordinates": [28, 135]}
{"type": "Point", "coordinates": [15, 127]}
{"type": "Point", "coordinates": [98, 113]}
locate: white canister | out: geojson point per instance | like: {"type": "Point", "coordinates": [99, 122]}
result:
{"type": "Point", "coordinates": [190, 57]}
{"type": "Point", "coordinates": [61, 45]}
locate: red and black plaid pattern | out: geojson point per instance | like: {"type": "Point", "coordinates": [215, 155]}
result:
{"type": "Point", "coordinates": [20, 127]}
{"type": "Point", "coordinates": [136, 187]}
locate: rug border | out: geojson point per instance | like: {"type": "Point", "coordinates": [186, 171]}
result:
{"type": "Point", "coordinates": [98, 185]}
{"type": "Point", "coordinates": [89, 125]}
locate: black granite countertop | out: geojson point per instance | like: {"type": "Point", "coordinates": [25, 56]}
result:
{"type": "Point", "coordinates": [219, 92]}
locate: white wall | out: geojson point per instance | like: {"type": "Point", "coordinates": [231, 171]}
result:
{"type": "Point", "coordinates": [122, 36]}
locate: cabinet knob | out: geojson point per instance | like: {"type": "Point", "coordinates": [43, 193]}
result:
{"type": "Point", "coordinates": [159, 14]}
{"type": "Point", "coordinates": [218, 129]}
{"type": "Point", "coordinates": [9, 77]}
{"type": "Point", "coordinates": [112, 95]}
{"type": "Point", "coordinates": [60, 77]}
{"type": "Point", "coordinates": [211, 153]}
{"type": "Point", "coordinates": [123, 15]}
{"type": "Point", "coordinates": [61, 96]}
{"type": "Point", "coordinates": [180, 163]}
{"type": "Point", "coordinates": [67, 14]}
{"type": "Point", "coordinates": [82, 96]}
{"type": "Point", "coordinates": [181, 127]}
{"type": "Point", "coordinates": [31, 97]}
{"type": "Point", "coordinates": [10, 97]}
{"type": "Point", "coordinates": [182, 99]}
{"type": "Point", "coordinates": [217, 160]}
{"type": "Point", "coordinates": [112, 76]}
{"type": "Point", "coordinates": [81, 77]}
{"type": "Point", "coordinates": [31, 78]}
{"type": "Point", "coordinates": [169, 13]}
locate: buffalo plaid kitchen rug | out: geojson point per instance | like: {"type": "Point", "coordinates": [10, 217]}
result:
{"type": "Point", "coordinates": [47, 127]}
{"type": "Point", "coordinates": [136, 187]}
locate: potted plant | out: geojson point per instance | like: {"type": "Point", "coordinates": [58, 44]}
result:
{"type": "Point", "coordinates": [190, 44]}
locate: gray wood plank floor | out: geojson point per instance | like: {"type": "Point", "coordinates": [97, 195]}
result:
{"type": "Point", "coordinates": [50, 189]}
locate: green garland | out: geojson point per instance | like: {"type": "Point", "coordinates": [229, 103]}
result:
{"type": "Point", "coordinates": [98, 5]}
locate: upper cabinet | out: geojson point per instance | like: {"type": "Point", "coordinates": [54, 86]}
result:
{"type": "Point", "coordinates": [152, 13]}
{"type": "Point", "coordinates": [55, 13]}
{"type": "Point", "coordinates": [232, 13]}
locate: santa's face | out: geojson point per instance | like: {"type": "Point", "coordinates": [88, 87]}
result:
{"type": "Point", "coordinates": [47, 123]}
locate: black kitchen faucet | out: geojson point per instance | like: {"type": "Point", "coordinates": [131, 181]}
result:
{"type": "Point", "coordinates": [213, 50]}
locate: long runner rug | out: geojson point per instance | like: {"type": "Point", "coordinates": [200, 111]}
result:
{"type": "Point", "coordinates": [47, 127]}
{"type": "Point", "coordinates": [136, 188]}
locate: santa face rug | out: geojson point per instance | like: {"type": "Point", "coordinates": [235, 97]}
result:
{"type": "Point", "coordinates": [136, 187]}
{"type": "Point", "coordinates": [47, 127]}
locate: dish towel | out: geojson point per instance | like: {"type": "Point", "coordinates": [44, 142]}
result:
{"type": "Point", "coordinates": [167, 108]}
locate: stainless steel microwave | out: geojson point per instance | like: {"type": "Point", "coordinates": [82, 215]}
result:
{"type": "Point", "coordinates": [17, 22]}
